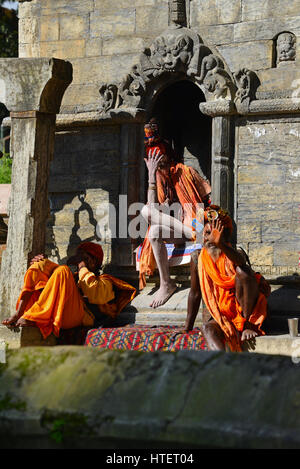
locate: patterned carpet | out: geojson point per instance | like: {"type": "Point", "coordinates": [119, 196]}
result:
{"type": "Point", "coordinates": [145, 338]}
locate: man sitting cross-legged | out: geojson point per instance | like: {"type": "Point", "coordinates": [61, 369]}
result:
{"type": "Point", "coordinates": [170, 183]}
{"type": "Point", "coordinates": [52, 298]}
{"type": "Point", "coordinates": [234, 295]}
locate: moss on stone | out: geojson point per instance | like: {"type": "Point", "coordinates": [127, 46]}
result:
{"type": "Point", "coordinates": [9, 403]}
{"type": "Point", "coordinates": [65, 425]}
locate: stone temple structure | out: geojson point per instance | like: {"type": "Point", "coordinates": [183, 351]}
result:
{"type": "Point", "coordinates": [223, 77]}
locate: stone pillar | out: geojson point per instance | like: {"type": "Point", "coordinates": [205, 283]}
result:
{"type": "Point", "coordinates": [32, 90]}
{"type": "Point", "coordinates": [131, 184]}
{"type": "Point", "coordinates": [222, 164]}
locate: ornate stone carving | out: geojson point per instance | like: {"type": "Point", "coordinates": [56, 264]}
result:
{"type": "Point", "coordinates": [215, 79]}
{"type": "Point", "coordinates": [285, 48]}
{"type": "Point", "coordinates": [247, 83]}
{"type": "Point", "coordinates": [108, 95]}
{"type": "Point", "coordinates": [177, 51]}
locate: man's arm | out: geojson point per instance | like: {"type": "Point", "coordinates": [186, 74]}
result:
{"type": "Point", "coordinates": [194, 298]}
{"type": "Point", "coordinates": [98, 290]}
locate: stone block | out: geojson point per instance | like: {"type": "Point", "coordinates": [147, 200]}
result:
{"type": "Point", "coordinates": [255, 10]}
{"type": "Point", "coordinates": [83, 94]}
{"type": "Point", "coordinates": [281, 231]}
{"type": "Point", "coordinates": [29, 50]}
{"type": "Point", "coordinates": [275, 82]}
{"type": "Point", "coordinates": [63, 49]}
{"type": "Point", "coordinates": [253, 55]}
{"type": "Point", "coordinates": [93, 47]}
{"type": "Point", "coordinates": [63, 7]}
{"type": "Point", "coordinates": [269, 174]}
{"type": "Point", "coordinates": [29, 9]}
{"type": "Point", "coordinates": [49, 26]}
{"type": "Point", "coordinates": [73, 27]}
{"type": "Point", "coordinates": [286, 253]}
{"type": "Point", "coordinates": [79, 386]}
{"type": "Point", "coordinates": [215, 12]}
{"type": "Point", "coordinates": [216, 35]}
{"type": "Point", "coordinates": [152, 21]}
{"type": "Point", "coordinates": [29, 29]}
{"type": "Point", "coordinates": [262, 154]}
{"type": "Point", "coordinates": [265, 29]}
{"type": "Point", "coordinates": [124, 45]}
{"type": "Point", "coordinates": [260, 254]}
{"type": "Point", "coordinates": [106, 69]}
{"type": "Point", "coordinates": [248, 232]}
{"type": "Point", "coordinates": [120, 23]}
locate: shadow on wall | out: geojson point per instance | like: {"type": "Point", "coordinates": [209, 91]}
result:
{"type": "Point", "coordinates": [74, 238]}
{"type": "Point", "coordinates": [84, 175]}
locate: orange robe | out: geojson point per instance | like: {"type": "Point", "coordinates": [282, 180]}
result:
{"type": "Point", "coordinates": [217, 280]}
{"type": "Point", "coordinates": [191, 189]}
{"type": "Point", "coordinates": [56, 302]}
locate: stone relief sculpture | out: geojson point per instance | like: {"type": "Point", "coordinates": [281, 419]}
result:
{"type": "Point", "coordinates": [247, 83]}
{"type": "Point", "coordinates": [285, 48]}
{"type": "Point", "coordinates": [178, 50]}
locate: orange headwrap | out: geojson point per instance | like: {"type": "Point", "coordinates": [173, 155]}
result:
{"type": "Point", "coordinates": [214, 212]}
{"type": "Point", "coordinates": [93, 249]}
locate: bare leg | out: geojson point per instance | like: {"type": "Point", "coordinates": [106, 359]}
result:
{"type": "Point", "coordinates": [12, 321]}
{"type": "Point", "coordinates": [213, 336]}
{"type": "Point", "coordinates": [247, 292]}
{"type": "Point", "coordinates": [194, 298]}
{"type": "Point", "coordinates": [164, 228]}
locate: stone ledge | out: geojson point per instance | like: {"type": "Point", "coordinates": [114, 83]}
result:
{"type": "Point", "coordinates": [110, 399]}
{"type": "Point", "coordinates": [278, 345]}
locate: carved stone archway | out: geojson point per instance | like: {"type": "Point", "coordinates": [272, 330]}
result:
{"type": "Point", "coordinates": [180, 53]}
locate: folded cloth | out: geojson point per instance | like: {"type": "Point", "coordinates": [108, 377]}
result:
{"type": "Point", "coordinates": [177, 255]}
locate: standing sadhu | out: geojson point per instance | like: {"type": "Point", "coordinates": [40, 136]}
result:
{"type": "Point", "coordinates": [52, 298]}
{"type": "Point", "coordinates": [169, 182]}
{"type": "Point", "coordinates": [234, 295]}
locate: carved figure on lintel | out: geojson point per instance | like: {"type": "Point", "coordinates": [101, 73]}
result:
{"type": "Point", "coordinates": [169, 183]}
{"type": "Point", "coordinates": [285, 48]}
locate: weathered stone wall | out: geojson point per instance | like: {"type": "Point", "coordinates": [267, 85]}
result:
{"type": "Point", "coordinates": [84, 179]}
{"type": "Point", "coordinates": [104, 38]}
{"type": "Point", "coordinates": [268, 192]}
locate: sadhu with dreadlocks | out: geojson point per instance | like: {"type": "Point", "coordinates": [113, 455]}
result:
{"type": "Point", "coordinates": [53, 298]}
{"type": "Point", "coordinates": [234, 294]}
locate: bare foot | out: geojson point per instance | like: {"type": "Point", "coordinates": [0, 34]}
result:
{"type": "Point", "coordinates": [163, 294]}
{"type": "Point", "coordinates": [25, 323]}
{"type": "Point", "coordinates": [248, 334]}
{"type": "Point", "coordinates": [10, 322]}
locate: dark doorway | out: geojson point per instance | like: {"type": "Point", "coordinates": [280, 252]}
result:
{"type": "Point", "coordinates": [182, 123]}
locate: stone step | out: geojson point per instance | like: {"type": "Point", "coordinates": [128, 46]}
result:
{"type": "Point", "coordinates": [278, 345]}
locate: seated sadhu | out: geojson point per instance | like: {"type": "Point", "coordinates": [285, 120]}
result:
{"type": "Point", "coordinates": [235, 296]}
{"type": "Point", "coordinates": [53, 298]}
{"type": "Point", "coordinates": [170, 182]}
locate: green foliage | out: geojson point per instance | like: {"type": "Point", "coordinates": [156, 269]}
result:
{"type": "Point", "coordinates": [5, 169]}
{"type": "Point", "coordinates": [8, 32]}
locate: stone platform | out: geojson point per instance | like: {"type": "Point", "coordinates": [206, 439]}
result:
{"type": "Point", "coordinates": [80, 397]}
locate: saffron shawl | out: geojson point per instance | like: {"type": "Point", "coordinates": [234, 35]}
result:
{"type": "Point", "coordinates": [217, 280]}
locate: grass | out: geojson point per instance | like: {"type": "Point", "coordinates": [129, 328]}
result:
{"type": "Point", "coordinates": [5, 169]}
